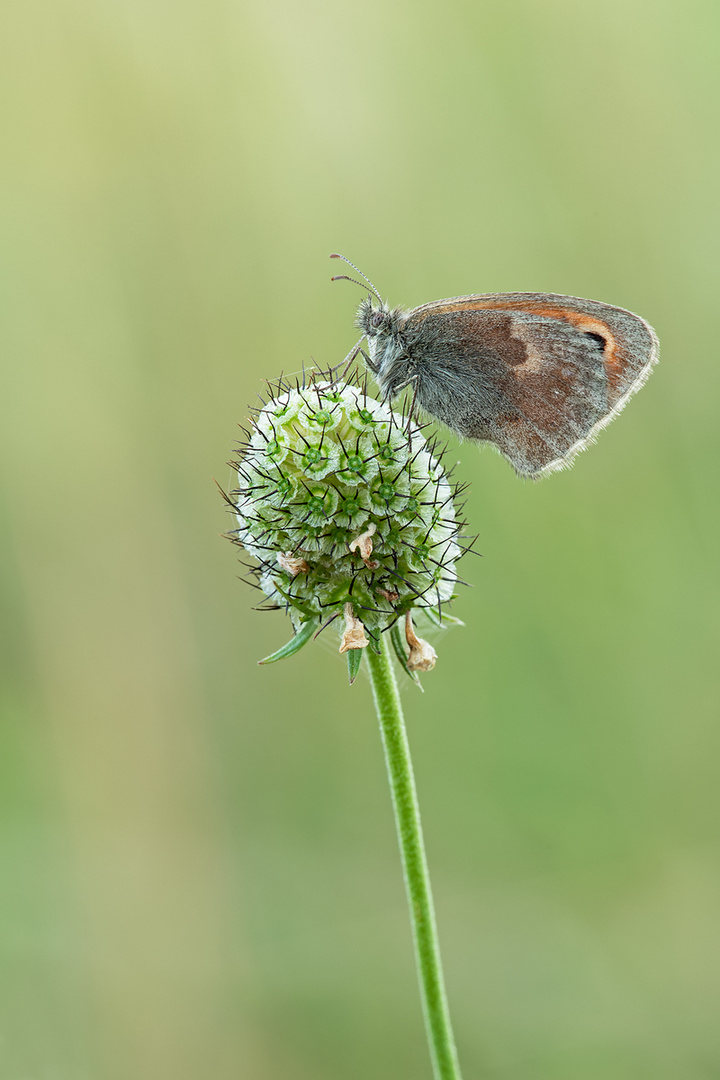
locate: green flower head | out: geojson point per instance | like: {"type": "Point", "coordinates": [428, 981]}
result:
{"type": "Point", "coordinates": [345, 510]}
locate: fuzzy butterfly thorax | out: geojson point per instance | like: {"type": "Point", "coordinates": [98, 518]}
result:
{"type": "Point", "coordinates": [388, 357]}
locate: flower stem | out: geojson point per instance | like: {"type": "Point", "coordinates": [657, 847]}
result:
{"type": "Point", "coordinates": [412, 850]}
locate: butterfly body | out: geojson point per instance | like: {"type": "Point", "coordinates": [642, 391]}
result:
{"type": "Point", "coordinates": [535, 374]}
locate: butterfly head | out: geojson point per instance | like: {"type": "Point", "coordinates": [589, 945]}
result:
{"type": "Point", "coordinates": [376, 319]}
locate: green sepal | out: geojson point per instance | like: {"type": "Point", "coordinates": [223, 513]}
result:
{"type": "Point", "coordinates": [294, 602]}
{"type": "Point", "coordinates": [397, 644]}
{"type": "Point", "coordinates": [354, 659]}
{"type": "Point", "coordinates": [443, 620]}
{"type": "Point", "coordinates": [302, 637]}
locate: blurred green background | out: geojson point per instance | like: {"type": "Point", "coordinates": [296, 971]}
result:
{"type": "Point", "coordinates": [199, 875]}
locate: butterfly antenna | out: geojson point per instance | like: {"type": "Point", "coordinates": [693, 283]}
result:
{"type": "Point", "coordinates": [344, 277]}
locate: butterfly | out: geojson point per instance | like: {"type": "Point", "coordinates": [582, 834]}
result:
{"type": "Point", "coordinates": [537, 375]}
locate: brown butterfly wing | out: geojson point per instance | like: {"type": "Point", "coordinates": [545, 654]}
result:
{"type": "Point", "coordinates": [536, 374]}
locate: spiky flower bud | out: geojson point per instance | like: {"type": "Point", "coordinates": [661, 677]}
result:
{"type": "Point", "coordinates": [346, 511]}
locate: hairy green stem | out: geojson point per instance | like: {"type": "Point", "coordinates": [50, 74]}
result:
{"type": "Point", "coordinates": [412, 850]}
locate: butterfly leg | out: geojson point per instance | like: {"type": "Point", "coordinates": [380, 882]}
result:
{"type": "Point", "coordinates": [411, 410]}
{"type": "Point", "coordinates": [347, 363]}
{"type": "Point", "coordinates": [368, 362]}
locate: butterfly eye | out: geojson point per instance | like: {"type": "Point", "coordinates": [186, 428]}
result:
{"type": "Point", "coordinates": [378, 318]}
{"type": "Point", "coordinates": [598, 338]}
